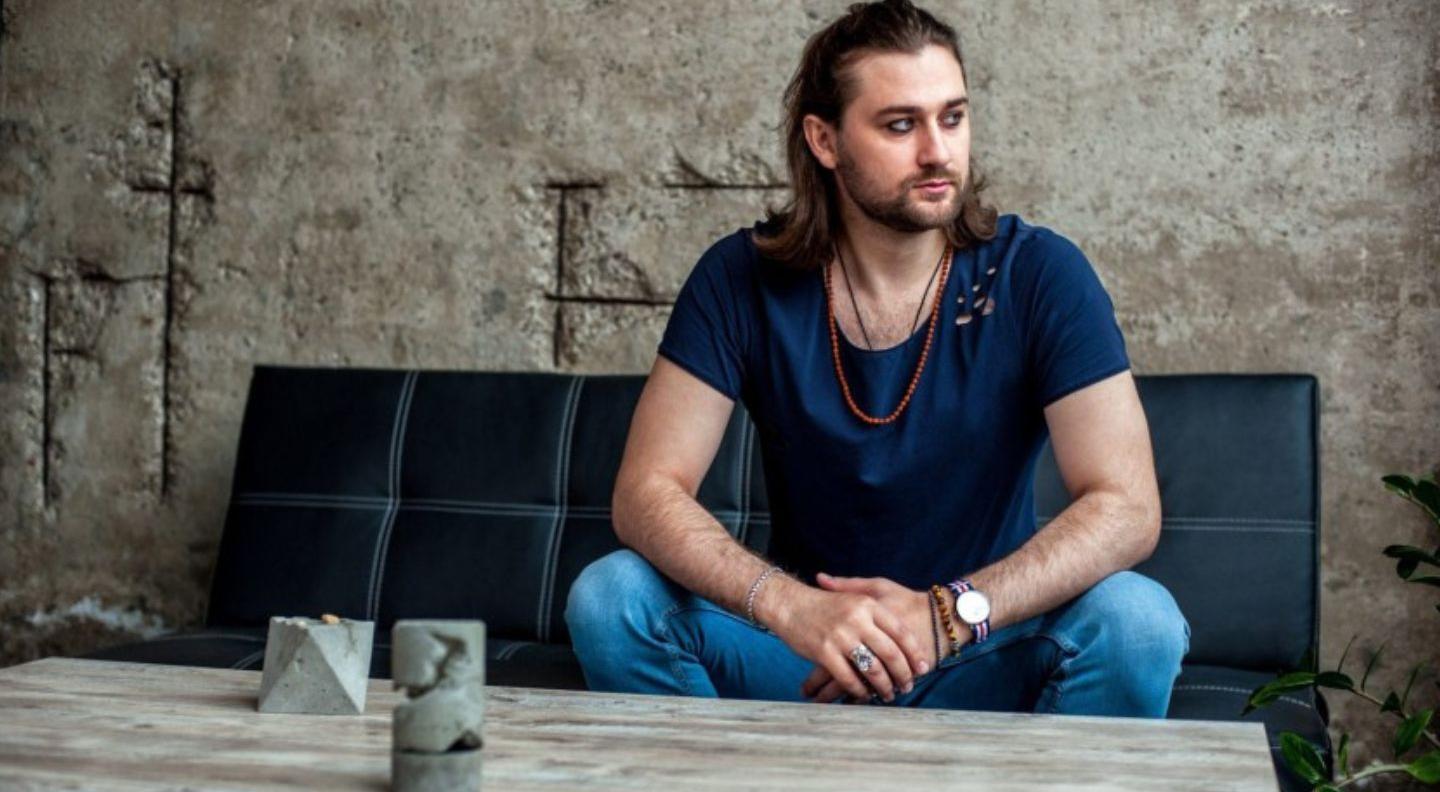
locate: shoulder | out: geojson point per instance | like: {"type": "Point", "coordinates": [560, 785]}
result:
{"type": "Point", "coordinates": [1034, 244]}
{"type": "Point", "coordinates": [1040, 256]}
{"type": "Point", "coordinates": [730, 258]}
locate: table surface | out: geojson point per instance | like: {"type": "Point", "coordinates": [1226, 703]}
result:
{"type": "Point", "coordinates": [89, 724]}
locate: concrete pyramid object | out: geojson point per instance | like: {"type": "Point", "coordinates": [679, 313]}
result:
{"type": "Point", "coordinates": [316, 667]}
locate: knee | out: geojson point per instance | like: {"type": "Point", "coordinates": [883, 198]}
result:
{"type": "Point", "coordinates": [603, 596]}
{"type": "Point", "coordinates": [1137, 621]}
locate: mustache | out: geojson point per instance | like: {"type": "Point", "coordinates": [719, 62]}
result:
{"type": "Point", "coordinates": [950, 177]}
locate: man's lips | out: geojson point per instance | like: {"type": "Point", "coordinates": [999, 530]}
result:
{"type": "Point", "coordinates": [932, 185]}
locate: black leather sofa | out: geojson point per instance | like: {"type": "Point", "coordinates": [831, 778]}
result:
{"type": "Point", "coordinates": [386, 494]}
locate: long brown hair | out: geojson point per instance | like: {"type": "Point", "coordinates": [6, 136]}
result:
{"type": "Point", "coordinates": [804, 229]}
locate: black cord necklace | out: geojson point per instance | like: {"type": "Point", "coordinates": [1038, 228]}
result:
{"type": "Point", "coordinates": [915, 323]}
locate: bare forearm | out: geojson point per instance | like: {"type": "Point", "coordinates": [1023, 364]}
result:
{"type": "Point", "coordinates": [1098, 535]}
{"type": "Point", "coordinates": [666, 525]}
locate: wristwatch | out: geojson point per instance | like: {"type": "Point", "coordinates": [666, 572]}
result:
{"type": "Point", "coordinates": [973, 608]}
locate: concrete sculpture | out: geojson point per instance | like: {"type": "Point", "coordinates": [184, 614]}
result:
{"type": "Point", "coordinates": [437, 731]}
{"type": "Point", "coordinates": [316, 666]}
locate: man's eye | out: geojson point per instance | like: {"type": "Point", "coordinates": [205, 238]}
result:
{"type": "Point", "coordinates": [953, 119]}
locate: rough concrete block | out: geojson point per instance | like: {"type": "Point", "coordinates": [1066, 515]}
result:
{"type": "Point", "coordinates": [436, 772]}
{"type": "Point", "coordinates": [609, 338]}
{"type": "Point", "coordinates": [438, 731]}
{"type": "Point", "coordinates": [105, 353]}
{"type": "Point", "coordinates": [316, 667]}
{"type": "Point", "coordinates": [639, 242]}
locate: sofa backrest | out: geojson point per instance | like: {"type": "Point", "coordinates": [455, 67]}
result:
{"type": "Point", "coordinates": [387, 494]}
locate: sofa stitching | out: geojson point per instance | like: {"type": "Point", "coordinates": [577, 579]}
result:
{"type": "Point", "coordinates": [1224, 520]}
{"type": "Point", "coordinates": [469, 507]}
{"type": "Point", "coordinates": [244, 662]}
{"type": "Point", "coordinates": [507, 652]}
{"type": "Point", "coordinates": [382, 542]}
{"type": "Point", "coordinates": [1233, 526]}
{"type": "Point", "coordinates": [309, 504]}
{"type": "Point", "coordinates": [365, 500]}
{"type": "Point", "coordinates": [562, 483]}
{"type": "Point", "coordinates": [1233, 689]}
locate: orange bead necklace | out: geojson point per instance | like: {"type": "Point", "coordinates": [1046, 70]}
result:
{"type": "Point", "coordinates": [919, 367]}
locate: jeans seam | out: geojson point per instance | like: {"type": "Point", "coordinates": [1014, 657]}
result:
{"type": "Point", "coordinates": [679, 607]}
{"type": "Point", "coordinates": [668, 641]}
{"type": "Point", "coordinates": [1062, 671]}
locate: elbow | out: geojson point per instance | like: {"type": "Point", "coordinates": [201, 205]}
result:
{"type": "Point", "coordinates": [630, 500]}
{"type": "Point", "coordinates": [1147, 529]}
{"type": "Point", "coordinates": [620, 498]}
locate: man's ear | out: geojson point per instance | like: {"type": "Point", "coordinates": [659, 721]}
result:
{"type": "Point", "coordinates": [820, 136]}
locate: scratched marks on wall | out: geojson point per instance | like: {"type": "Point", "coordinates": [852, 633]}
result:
{"type": "Point", "coordinates": [623, 253]}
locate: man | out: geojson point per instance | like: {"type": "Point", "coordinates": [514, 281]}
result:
{"type": "Point", "coordinates": [903, 352]}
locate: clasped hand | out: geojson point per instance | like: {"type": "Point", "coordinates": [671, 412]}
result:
{"type": "Point", "coordinates": [894, 621]}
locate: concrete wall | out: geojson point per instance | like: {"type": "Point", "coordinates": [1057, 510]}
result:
{"type": "Point", "coordinates": [190, 187]}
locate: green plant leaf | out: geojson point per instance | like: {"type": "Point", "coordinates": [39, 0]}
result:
{"type": "Point", "coordinates": [1429, 580]}
{"type": "Point", "coordinates": [1294, 680]}
{"type": "Point", "coordinates": [1392, 703]}
{"type": "Point", "coordinates": [1404, 697]}
{"type": "Point", "coordinates": [1428, 494]}
{"type": "Point", "coordinates": [1334, 679]}
{"type": "Point", "coordinates": [1426, 768]}
{"type": "Point", "coordinates": [1302, 757]}
{"type": "Point", "coordinates": [1342, 761]}
{"type": "Point", "coordinates": [1340, 666]}
{"type": "Point", "coordinates": [1410, 551]}
{"type": "Point", "coordinates": [1326, 788]}
{"type": "Point", "coordinates": [1374, 659]}
{"type": "Point", "coordinates": [1409, 732]}
{"type": "Point", "coordinates": [1270, 691]}
{"type": "Point", "coordinates": [1308, 661]}
{"type": "Point", "coordinates": [1405, 567]}
{"type": "Point", "coordinates": [1399, 484]}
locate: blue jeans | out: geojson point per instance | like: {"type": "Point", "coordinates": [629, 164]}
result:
{"type": "Point", "coordinates": [1113, 650]}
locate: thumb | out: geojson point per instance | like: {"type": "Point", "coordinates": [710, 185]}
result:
{"type": "Point", "coordinates": [831, 581]}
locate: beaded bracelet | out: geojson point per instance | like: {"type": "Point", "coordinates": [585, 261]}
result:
{"type": "Point", "coordinates": [935, 629]}
{"type": "Point", "coordinates": [939, 595]}
{"type": "Point", "coordinates": [750, 598]}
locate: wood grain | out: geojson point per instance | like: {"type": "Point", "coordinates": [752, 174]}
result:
{"type": "Point", "coordinates": [87, 724]}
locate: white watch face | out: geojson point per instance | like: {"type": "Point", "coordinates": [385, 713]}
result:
{"type": "Point", "coordinates": [972, 606]}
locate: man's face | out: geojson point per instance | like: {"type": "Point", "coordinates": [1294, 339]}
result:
{"type": "Point", "coordinates": [902, 152]}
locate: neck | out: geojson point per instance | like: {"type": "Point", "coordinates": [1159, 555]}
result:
{"type": "Point", "coordinates": [883, 261]}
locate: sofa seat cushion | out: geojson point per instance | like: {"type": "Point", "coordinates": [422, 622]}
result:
{"type": "Point", "coordinates": [1205, 692]}
{"type": "Point", "coordinates": [209, 648]}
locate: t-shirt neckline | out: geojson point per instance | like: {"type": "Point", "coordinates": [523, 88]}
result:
{"type": "Point", "coordinates": [920, 330]}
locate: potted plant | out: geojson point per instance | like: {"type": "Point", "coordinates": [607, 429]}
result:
{"type": "Point", "coordinates": [1415, 746]}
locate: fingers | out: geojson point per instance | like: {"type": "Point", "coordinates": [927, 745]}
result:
{"type": "Point", "coordinates": [845, 674]}
{"type": "Point", "coordinates": [817, 679]}
{"type": "Point", "coordinates": [892, 675]}
{"type": "Point", "coordinates": [843, 583]}
{"type": "Point", "coordinates": [904, 637]}
{"type": "Point", "coordinates": [830, 691]}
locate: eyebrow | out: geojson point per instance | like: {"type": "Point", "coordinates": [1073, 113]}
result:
{"type": "Point", "coordinates": [913, 109]}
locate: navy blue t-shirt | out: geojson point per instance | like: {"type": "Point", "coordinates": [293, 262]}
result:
{"type": "Point", "coordinates": [945, 489]}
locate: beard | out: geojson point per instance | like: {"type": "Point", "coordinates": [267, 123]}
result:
{"type": "Point", "coordinates": [904, 211]}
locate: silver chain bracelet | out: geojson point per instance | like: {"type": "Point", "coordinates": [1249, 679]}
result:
{"type": "Point", "coordinates": [754, 588]}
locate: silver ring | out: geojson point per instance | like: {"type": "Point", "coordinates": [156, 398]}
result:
{"type": "Point", "coordinates": [862, 657]}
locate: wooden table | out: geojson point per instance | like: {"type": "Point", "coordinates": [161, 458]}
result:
{"type": "Point", "coordinates": [87, 724]}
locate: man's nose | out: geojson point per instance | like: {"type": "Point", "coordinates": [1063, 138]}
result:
{"type": "Point", "coordinates": [933, 150]}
